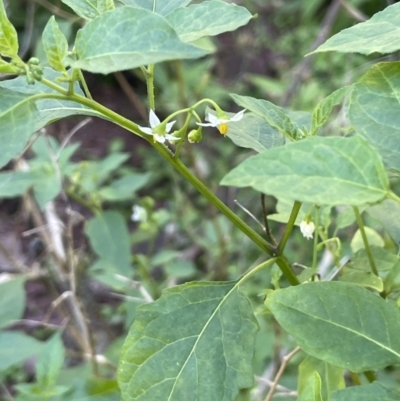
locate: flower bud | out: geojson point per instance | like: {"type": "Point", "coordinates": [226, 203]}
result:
{"type": "Point", "coordinates": [195, 135]}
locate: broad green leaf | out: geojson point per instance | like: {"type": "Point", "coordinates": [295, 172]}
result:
{"type": "Point", "coordinates": [209, 18]}
{"type": "Point", "coordinates": [8, 35]}
{"type": "Point", "coordinates": [312, 389]}
{"type": "Point", "coordinates": [51, 361]}
{"type": "Point", "coordinates": [388, 214]}
{"type": "Point", "coordinates": [12, 301]}
{"type": "Point", "coordinates": [253, 132]}
{"type": "Point", "coordinates": [8, 68]}
{"type": "Point", "coordinates": [14, 183]}
{"type": "Point", "coordinates": [331, 377]}
{"type": "Point", "coordinates": [90, 9]}
{"type": "Point", "coordinates": [135, 37]}
{"type": "Point", "coordinates": [18, 116]}
{"type": "Point", "coordinates": [55, 45]}
{"type": "Point", "coordinates": [363, 279]}
{"type": "Point", "coordinates": [378, 34]}
{"type": "Point", "coordinates": [318, 170]}
{"type": "Point", "coordinates": [366, 392]}
{"type": "Point", "coordinates": [323, 110]}
{"type": "Point", "coordinates": [194, 343]}
{"type": "Point", "coordinates": [109, 238]}
{"type": "Point", "coordinates": [372, 236]}
{"type": "Point", "coordinates": [124, 187]}
{"type": "Point", "coordinates": [340, 323]}
{"type": "Point", "coordinates": [374, 110]}
{"type": "Point", "coordinates": [16, 347]}
{"type": "Point", "coordinates": [161, 6]}
{"type": "Point", "coordinates": [275, 116]}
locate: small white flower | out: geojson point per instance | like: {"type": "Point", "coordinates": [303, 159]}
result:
{"type": "Point", "coordinates": [159, 131]}
{"type": "Point", "coordinates": [221, 123]}
{"type": "Point", "coordinates": [139, 214]}
{"type": "Point", "coordinates": [307, 228]}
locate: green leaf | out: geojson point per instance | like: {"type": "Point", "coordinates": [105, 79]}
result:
{"type": "Point", "coordinates": [253, 132]}
{"type": "Point", "coordinates": [124, 187]}
{"type": "Point", "coordinates": [209, 18]}
{"type": "Point", "coordinates": [275, 116]}
{"type": "Point", "coordinates": [14, 183]}
{"type": "Point", "coordinates": [331, 377]}
{"type": "Point", "coordinates": [340, 323]}
{"type": "Point", "coordinates": [55, 45]}
{"type": "Point", "coordinates": [90, 9]}
{"type": "Point", "coordinates": [109, 238]}
{"type": "Point", "coordinates": [51, 361]}
{"type": "Point", "coordinates": [384, 260]}
{"type": "Point", "coordinates": [8, 35]}
{"type": "Point", "coordinates": [363, 279]}
{"type": "Point", "coordinates": [319, 170]}
{"type": "Point", "coordinates": [373, 238]}
{"type": "Point", "coordinates": [7, 68]}
{"type": "Point", "coordinates": [388, 214]}
{"type": "Point", "coordinates": [378, 34]}
{"type": "Point", "coordinates": [12, 301]}
{"type": "Point", "coordinates": [162, 7]}
{"type": "Point", "coordinates": [135, 38]}
{"type": "Point", "coordinates": [323, 110]}
{"type": "Point", "coordinates": [374, 110]}
{"type": "Point", "coordinates": [312, 389]}
{"type": "Point", "coordinates": [194, 343]}
{"type": "Point", "coordinates": [367, 392]}
{"type": "Point", "coordinates": [16, 347]}
{"type": "Point", "coordinates": [18, 116]}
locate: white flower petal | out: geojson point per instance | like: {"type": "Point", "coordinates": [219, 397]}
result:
{"type": "Point", "coordinates": [206, 124]}
{"type": "Point", "coordinates": [146, 130]}
{"type": "Point", "coordinates": [307, 228]}
{"type": "Point", "coordinates": [214, 120]}
{"type": "Point", "coordinates": [238, 116]}
{"type": "Point", "coordinates": [160, 138]}
{"type": "Point", "coordinates": [170, 137]}
{"type": "Point", "coordinates": [169, 126]}
{"type": "Point", "coordinates": [153, 119]}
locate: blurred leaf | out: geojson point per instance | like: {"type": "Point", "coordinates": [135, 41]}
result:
{"type": "Point", "coordinates": [323, 110]}
{"type": "Point", "coordinates": [374, 239]}
{"type": "Point", "coordinates": [162, 7]}
{"type": "Point", "coordinates": [16, 347]}
{"type": "Point", "coordinates": [337, 322]}
{"type": "Point", "coordinates": [8, 35]}
{"type": "Point", "coordinates": [196, 342]}
{"type": "Point", "coordinates": [363, 279]}
{"type": "Point", "coordinates": [375, 35]}
{"type": "Point", "coordinates": [312, 389]}
{"type": "Point", "coordinates": [374, 110]}
{"type": "Point", "coordinates": [180, 269]}
{"type": "Point", "coordinates": [319, 170]}
{"type": "Point", "coordinates": [89, 9]}
{"type": "Point", "coordinates": [275, 116]}
{"type": "Point", "coordinates": [18, 115]}
{"type": "Point", "coordinates": [14, 183]}
{"type": "Point", "coordinates": [124, 187]}
{"type": "Point", "coordinates": [209, 18]}
{"type": "Point", "coordinates": [55, 45]}
{"type": "Point", "coordinates": [135, 38]}
{"type": "Point", "coordinates": [388, 214]}
{"type": "Point", "coordinates": [8, 68]}
{"type": "Point", "coordinates": [12, 301]}
{"type": "Point", "coordinates": [366, 392]}
{"type": "Point", "coordinates": [384, 259]}
{"type": "Point", "coordinates": [109, 238]}
{"type": "Point", "coordinates": [331, 377]}
{"type": "Point", "coordinates": [253, 132]}
{"type": "Point", "coordinates": [51, 361]}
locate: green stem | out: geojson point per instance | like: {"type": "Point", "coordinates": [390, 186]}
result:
{"type": "Point", "coordinates": [316, 235]}
{"type": "Point", "coordinates": [150, 86]}
{"type": "Point", "coordinates": [394, 197]}
{"type": "Point", "coordinates": [289, 227]}
{"type": "Point", "coordinates": [185, 172]}
{"type": "Point", "coordinates": [84, 84]}
{"type": "Point", "coordinates": [365, 240]}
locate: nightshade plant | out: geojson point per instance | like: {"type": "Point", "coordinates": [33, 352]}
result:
{"type": "Point", "coordinates": [196, 342]}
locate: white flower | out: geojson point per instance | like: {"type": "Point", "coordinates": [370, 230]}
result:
{"type": "Point", "coordinates": [221, 123]}
{"type": "Point", "coordinates": [159, 131]}
{"type": "Point", "coordinates": [139, 213]}
{"type": "Point", "coordinates": [307, 228]}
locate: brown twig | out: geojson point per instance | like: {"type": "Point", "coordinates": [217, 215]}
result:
{"type": "Point", "coordinates": [301, 68]}
{"type": "Point", "coordinates": [285, 361]}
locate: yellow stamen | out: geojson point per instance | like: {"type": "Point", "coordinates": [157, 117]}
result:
{"type": "Point", "coordinates": [223, 128]}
